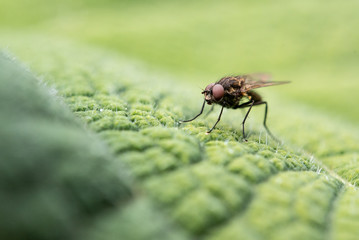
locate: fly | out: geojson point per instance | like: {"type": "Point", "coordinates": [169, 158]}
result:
{"type": "Point", "coordinates": [229, 91]}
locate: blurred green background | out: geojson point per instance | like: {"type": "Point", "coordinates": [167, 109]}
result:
{"type": "Point", "coordinates": [314, 44]}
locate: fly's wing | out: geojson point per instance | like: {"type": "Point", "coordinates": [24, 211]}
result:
{"type": "Point", "coordinates": [258, 81]}
{"type": "Point", "coordinates": [259, 76]}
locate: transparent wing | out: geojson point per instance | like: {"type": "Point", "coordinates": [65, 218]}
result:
{"type": "Point", "coordinates": [259, 77]}
{"type": "Point", "coordinates": [259, 80]}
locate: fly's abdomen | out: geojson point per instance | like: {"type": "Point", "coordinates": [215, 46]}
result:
{"type": "Point", "coordinates": [254, 96]}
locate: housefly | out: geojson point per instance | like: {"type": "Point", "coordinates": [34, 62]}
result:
{"type": "Point", "coordinates": [229, 92]}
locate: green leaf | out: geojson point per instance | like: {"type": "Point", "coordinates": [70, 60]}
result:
{"type": "Point", "coordinates": [194, 185]}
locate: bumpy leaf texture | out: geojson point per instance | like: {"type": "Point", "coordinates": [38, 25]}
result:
{"type": "Point", "coordinates": [94, 151]}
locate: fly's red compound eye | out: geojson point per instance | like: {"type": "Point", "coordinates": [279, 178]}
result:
{"type": "Point", "coordinates": [218, 91]}
{"type": "Point", "coordinates": [209, 87]}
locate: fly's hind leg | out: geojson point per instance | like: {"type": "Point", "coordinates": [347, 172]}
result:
{"type": "Point", "coordinates": [255, 100]}
{"type": "Point", "coordinates": [250, 104]}
{"type": "Point", "coordinates": [265, 120]}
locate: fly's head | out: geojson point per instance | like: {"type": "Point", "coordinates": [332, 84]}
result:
{"type": "Point", "coordinates": [213, 93]}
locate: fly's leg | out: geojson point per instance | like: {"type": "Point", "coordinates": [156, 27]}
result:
{"type": "Point", "coordinates": [204, 102]}
{"type": "Point", "coordinates": [256, 103]}
{"type": "Point", "coordinates": [219, 118]}
{"type": "Point", "coordinates": [210, 110]}
{"type": "Point", "coordinates": [245, 118]}
{"type": "Point", "coordinates": [249, 104]}
{"type": "Point", "coordinates": [265, 121]}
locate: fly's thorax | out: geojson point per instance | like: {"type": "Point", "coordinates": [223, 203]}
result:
{"type": "Point", "coordinates": [232, 82]}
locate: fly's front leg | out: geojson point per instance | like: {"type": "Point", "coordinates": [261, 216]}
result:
{"type": "Point", "coordinates": [210, 110]}
{"type": "Point", "coordinates": [204, 102]}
